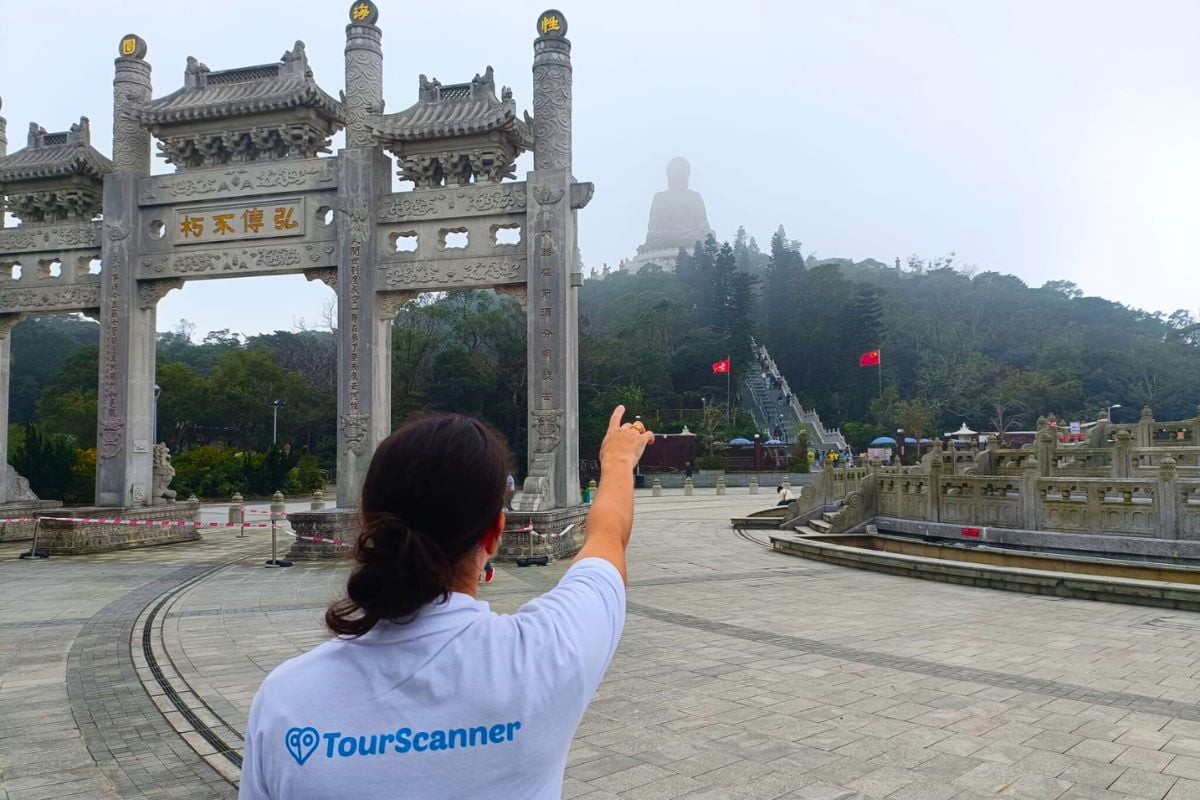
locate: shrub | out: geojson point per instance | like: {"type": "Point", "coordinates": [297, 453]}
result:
{"type": "Point", "coordinates": [305, 477]}
{"type": "Point", "coordinates": [712, 462]}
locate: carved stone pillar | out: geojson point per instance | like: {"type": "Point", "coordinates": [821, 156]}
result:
{"type": "Point", "coordinates": [364, 72]}
{"type": "Point", "coordinates": [7, 321]}
{"type": "Point", "coordinates": [3, 153]}
{"type": "Point", "coordinates": [124, 464]}
{"type": "Point", "coordinates": [364, 341]}
{"type": "Point", "coordinates": [552, 286]}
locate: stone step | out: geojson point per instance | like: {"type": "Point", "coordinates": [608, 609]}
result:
{"type": "Point", "coordinates": [828, 515]}
{"type": "Point", "coordinates": [804, 530]}
{"type": "Point", "coordinates": [820, 525]}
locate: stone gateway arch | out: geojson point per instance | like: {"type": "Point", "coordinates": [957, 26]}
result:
{"type": "Point", "coordinates": [253, 195]}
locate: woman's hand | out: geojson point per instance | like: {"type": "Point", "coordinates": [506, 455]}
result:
{"type": "Point", "coordinates": [623, 445]}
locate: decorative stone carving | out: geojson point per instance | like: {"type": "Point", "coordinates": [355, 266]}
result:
{"type": "Point", "coordinates": [326, 275]}
{"type": "Point", "coordinates": [482, 199]}
{"type": "Point", "coordinates": [17, 487]}
{"type": "Point", "coordinates": [245, 180]}
{"type": "Point", "coordinates": [164, 473]}
{"type": "Point", "coordinates": [239, 260]}
{"type": "Point", "coordinates": [150, 292]}
{"type": "Point", "coordinates": [65, 298]}
{"type": "Point", "coordinates": [520, 293]}
{"type": "Point", "coordinates": [547, 196]}
{"type": "Point", "coordinates": [354, 428]}
{"type": "Point", "coordinates": [430, 274]}
{"type": "Point", "coordinates": [131, 89]}
{"type": "Point", "coordinates": [112, 433]}
{"type": "Point", "coordinates": [551, 120]}
{"type": "Point", "coordinates": [388, 304]}
{"type": "Point", "coordinates": [548, 424]}
{"type": "Point", "coordinates": [16, 240]}
{"type": "Point", "coordinates": [364, 75]}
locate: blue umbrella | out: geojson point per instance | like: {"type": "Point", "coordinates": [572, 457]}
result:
{"type": "Point", "coordinates": [773, 441]}
{"type": "Point", "coordinates": [909, 440]}
{"type": "Point", "coordinates": [740, 440]}
{"type": "Point", "coordinates": [883, 441]}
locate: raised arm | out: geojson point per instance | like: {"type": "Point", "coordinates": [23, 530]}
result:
{"type": "Point", "coordinates": [610, 521]}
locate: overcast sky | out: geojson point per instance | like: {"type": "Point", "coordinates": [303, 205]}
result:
{"type": "Point", "coordinates": [1049, 140]}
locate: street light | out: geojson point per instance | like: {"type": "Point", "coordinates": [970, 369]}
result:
{"type": "Point", "coordinates": [1110, 408]}
{"type": "Point", "coordinates": [278, 403]}
{"type": "Point", "coordinates": [154, 416]}
{"type": "Point", "coordinates": [900, 444]}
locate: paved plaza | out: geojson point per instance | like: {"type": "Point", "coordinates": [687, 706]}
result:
{"type": "Point", "coordinates": [742, 674]}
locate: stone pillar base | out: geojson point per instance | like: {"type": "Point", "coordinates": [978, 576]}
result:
{"type": "Point", "coordinates": [20, 529]}
{"type": "Point", "coordinates": [70, 533]}
{"type": "Point", "coordinates": [333, 524]}
{"type": "Point", "coordinates": [547, 537]}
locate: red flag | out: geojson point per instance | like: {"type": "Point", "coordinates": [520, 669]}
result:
{"type": "Point", "coordinates": [721, 366]}
{"type": "Point", "coordinates": [869, 359]}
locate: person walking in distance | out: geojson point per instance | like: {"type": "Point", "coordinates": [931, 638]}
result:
{"type": "Point", "coordinates": [424, 691]}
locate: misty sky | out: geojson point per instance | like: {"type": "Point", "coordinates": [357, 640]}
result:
{"type": "Point", "coordinates": [1049, 140]}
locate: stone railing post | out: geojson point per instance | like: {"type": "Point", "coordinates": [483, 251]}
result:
{"type": "Point", "coordinates": [656, 488]}
{"type": "Point", "coordinates": [1122, 463]}
{"type": "Point", "coordinates": [933, 507]}
{"type": "Point", "coordinates": [1167, 497]}
{"type": "Point", "coordinates": [720, 484]}
{"type": "Point", "coordinates": [1145, 428]}
{"type": "Point", "coordinates": [318, 501]}
{"type": "Point", "coordinates": [688, 488]}
{"type": "Point", "coordinates": [753, 484]}
{"type": "Point", "coordinates": [1045, 448]}
{"type": "Point", "coordinates": [237, 509]}
{"type": "Point", "coordinates": [1031, 498]}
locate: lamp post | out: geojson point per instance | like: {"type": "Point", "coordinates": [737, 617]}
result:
{"type": "Point", "coordinates": [154, 415]}
{"type": "Point", "coordinates": [1110, 410]}
{"type": "Point", "coordinates": [900, 444]}
{"type": "Point", "coordinates": [277, 404]}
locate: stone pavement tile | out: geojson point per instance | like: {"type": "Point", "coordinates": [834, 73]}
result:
{"type": "Point", "coordinates": [961, 744]}
{"type": "Point", "coordinates": [1183, 767]}
{"type": "Point", "coordinates": [1184, 790]}
{"type": "Point", "coordinates": [1145, 737]}
{"type": "Point", "coordinates": [821, 791]}
{"type": "Point", "coordinates": [710, 793]}
{"type": "Point", "coordinates": [1044, 762]}
{"type": "Point", "coordinates": [667, 788]}
{"type": "Point", "coordinates": [770, 786]}
{"type": "Point", "coordinates": [1093, 773]}
{"type": "Point", "coordinates": [572, 788]}
{"type": "Point", "coordinates": [1079, 792]}
{"type": "Point", "coordinates": [905, 756]}
{"type": "Point", "coordinates": [631, 778]}
{"type": "Point", "coordinates": [1097, 750]}
{"type": "Point", "coordinates": [1054, 741]}
{"type": "Point", "coordinates": [831, 740]}
{"type": "Point", "coordinates": [945, 767]}
{"type": "Point", "coordinates": [1035, 787]}
{"type": "Point", "coordinates": [598, 768]}
{"type": "Point", "coordinates": [925, 790]}
{"type": "Point", "coordinates": [988, 779]}
{"type": "Point", "coordinates": [802, 761]}
{"type": "Point", "coordinates": [1003, 753]}
{"type": "Point", "coordinates": [1153, 760]}
{"type": "Point", "coordinates": [842, 771]}
{"type": "Point", "coordinates": [1143, 784]}
{"type": "Point", "coordinates": [705, 761]}
{"type": "Point", "coordinates": [1095, 729]}
{"type": "Point", "coordinates": [1182, 745]}
{"type": "Point", "coordinates": [882, 781]}
{"type": "Point", "coordinates": [736, 774]}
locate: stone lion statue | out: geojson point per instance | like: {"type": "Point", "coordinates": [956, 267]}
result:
{"type": "Point", "coordinates": [163, 474]}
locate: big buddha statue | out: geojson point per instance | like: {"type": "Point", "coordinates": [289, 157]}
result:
{"type": "Point", "coordinates": [678, 219]}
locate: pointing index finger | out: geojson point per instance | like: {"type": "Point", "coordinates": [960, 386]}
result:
{"type": "Point", "coordinates": [615, 421]}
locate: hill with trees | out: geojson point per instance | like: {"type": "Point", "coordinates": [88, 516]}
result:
{"type": "Point", "coordinates": [957, 345]}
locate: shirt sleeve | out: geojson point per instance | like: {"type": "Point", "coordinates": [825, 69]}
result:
{"type": "Point", "coordinates": [585, 613]}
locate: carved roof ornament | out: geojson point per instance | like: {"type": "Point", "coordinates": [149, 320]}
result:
{"type": "Point", "coordinates": [258, 113]}
{"type": "Point", "coordinates": [56, 177]}
{"type": "Point", "coordinates": [455, 133]}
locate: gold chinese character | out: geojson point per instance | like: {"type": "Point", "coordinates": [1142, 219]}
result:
{"type": "Point", "coordinates": [550, 23]}
{"type": "Point", "coordinates": [252, 220]}
{"type": "Point", "coordinates": [128, 46]}
{"type": "Point", "coordinates": [192, 226]}
{"type": "Point", "coordinates": [283, 219]}
{"type": "Point", "coordinates": [222, 224]}
{"type": "Point", "coordinates": [360, 12]}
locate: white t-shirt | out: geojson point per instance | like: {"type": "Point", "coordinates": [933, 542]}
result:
{"type": "Point", "coordinates": [460, 703]}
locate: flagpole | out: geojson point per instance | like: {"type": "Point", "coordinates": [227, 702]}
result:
{"type": "Point", "coordinates": [880, 353]}
{"type": "Point", "coordinates": [728, 384]}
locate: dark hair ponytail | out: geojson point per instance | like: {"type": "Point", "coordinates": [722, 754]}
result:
{"type": "Point", "coordinates": [433, 489]}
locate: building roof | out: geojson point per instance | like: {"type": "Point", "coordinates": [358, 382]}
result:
{"type": "Point", "coordinates": [460, 109]}
{"type": "Point", "coordinates": [52, 155]}
{"type": "Point", "coordinates": [244, 90]}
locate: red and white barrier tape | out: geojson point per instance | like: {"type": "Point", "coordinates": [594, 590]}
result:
{"type": "Point", "coordinates": [165, 523]}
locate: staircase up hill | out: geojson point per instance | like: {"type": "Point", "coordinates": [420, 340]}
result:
{"type": "Point", "coordinates": [773, 403]}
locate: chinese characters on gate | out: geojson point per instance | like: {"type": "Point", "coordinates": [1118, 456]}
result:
{"type": "Point", "coordinates": [280, 218]}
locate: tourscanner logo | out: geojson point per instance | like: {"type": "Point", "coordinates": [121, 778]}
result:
{"type": "Point", "coordinates": [302, 743]}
